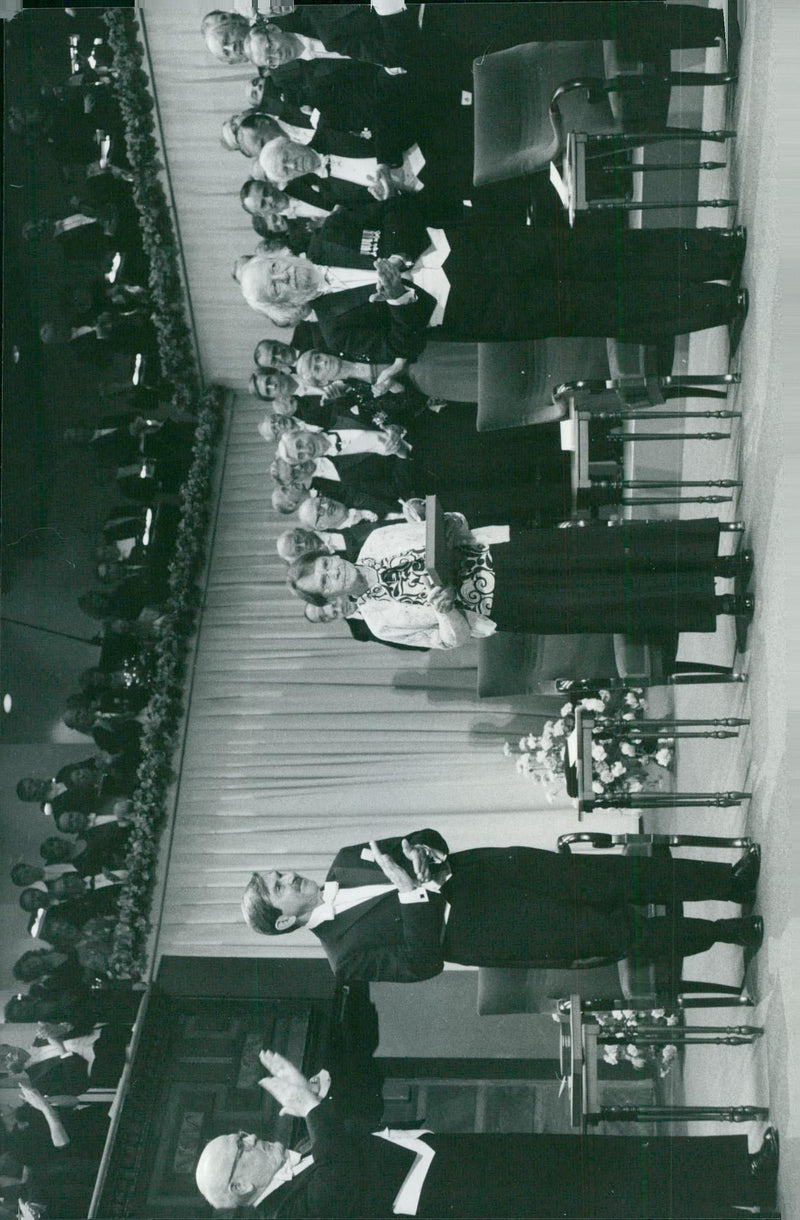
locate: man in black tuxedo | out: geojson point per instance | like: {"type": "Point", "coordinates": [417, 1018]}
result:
{"type": "Point", "coordinates": [431, 40]}
{"type": "Point", "coordinates": [352, 1171]}
{"type": "Point", "coordinates": [378, 474]}
{"type": "Point", "coordinates": [476, 283]}
{"type": "Point", "coordinates": [515, 906]}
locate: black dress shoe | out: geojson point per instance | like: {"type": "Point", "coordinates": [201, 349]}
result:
{"type": "Point", "coordinates": [738, 320]}
{"type": "Point", "coordinates": [764, 1169]}
{"type": "Point", "coordinates": [745, 872]}
{"type": "Point", "coordinates": [735, 243]}
{"type": "Point", "coordinates": [738, 566]}
{"type": "Point", "coordinates": [743, 607]}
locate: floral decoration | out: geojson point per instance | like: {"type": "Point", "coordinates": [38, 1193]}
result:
{"type": "Point", "coordinates": [624, 1041]}
{"type": "Point", "coordinates": [619, 766]}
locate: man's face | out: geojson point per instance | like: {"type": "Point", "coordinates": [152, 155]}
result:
{"type": "Point", "coordinates": [286, 281]}
{"type": "Point", "coordinates": [324, 614]}
{"type": "Point", "coordinates": [271, 47]}
{"type": "Point", "coordinates": [27, 874]}
{"type": "Point", "coordinates": [251, 139]}
{"type": "Point", "coordinates": [297, 160]}
{"type": "Point", "coordinates": [272, 354]}
{"type": "Point", "coordinates": [68, 886]}
{"type": "Point", "coordinates": [306, 446]}
{"type": "Point", "coordinates": [72, 822]}
{"type": "Point", "coordinates": [275, 384]}
{"type": "Point", "coordinates": [227, 45]}
{"type": "Point", "coordinates": [330, 513]}
{"type": "Point", "coordinates": [62, 930]}
{"type": "Point", "coordinates": [330, 576]}
{"type": "Point", "coordinates": [290, 893]}
{"type": "Point", "coordinates": [31, 789]}
{"type": "Point", "coordinates": [319, 368]}
{"type": "Point", "coordinates": [254, 91]}
{"type": "Point", "coordinates": [241, 1163]}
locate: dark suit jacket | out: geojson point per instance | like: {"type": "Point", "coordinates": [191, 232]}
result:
{"type": "Point", "coordinates": [356, 1173]}
{"type": "Point", "coordinates": [352, 497]}
{"type": "Point", "coordinates": [357, 329]}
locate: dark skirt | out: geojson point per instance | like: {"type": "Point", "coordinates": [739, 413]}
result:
{"type": "Point", "coordinates": [636, 578]}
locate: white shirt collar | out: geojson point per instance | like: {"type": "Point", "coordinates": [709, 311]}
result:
{"type": "Point", "coordinates": [291, 1167]}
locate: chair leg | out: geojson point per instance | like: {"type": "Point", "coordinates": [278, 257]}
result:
{"type": "Point", "coordinates": [665, 1114]}
{"type": "Point", "coordinates": [704, 379]}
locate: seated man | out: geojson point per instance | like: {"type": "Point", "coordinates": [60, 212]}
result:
{"type": "Point", "coordinates": [639, 577]}
{"type": "Point", "coordinates": [272, 354]}
{"type": "Point", "coordinates": [353, 1171]}
{"type": "Point", "coordinates": [380, 915]}
{"type": "Point", "coordinates": [79, 786]}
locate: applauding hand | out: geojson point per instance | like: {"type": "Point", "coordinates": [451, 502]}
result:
{"type": "Point", "coordinates": [392, 871]}
{"type": "Point", "coordinates": [287, 1085]}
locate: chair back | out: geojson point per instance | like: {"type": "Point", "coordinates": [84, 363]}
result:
{"type": "Point", "coordinates": [516, 380]}
{"type": "Point", "coordinates": [512, 664]}
{"type": "Point", "coordinates": [506, 990]}
{"type": "Point", "coordinates": [512, 91]}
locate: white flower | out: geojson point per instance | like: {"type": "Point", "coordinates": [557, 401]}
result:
{"type": "Point", "coordinates": [673, 1019]}
{"type": "Point", "coordinates": [628, 716]}
{"type": "Point", "coordinates": [566, 710]}
{"type": "Point", "coordinates": [632, 699]}
{"type": "Point", "coordinates": [629, 1014]}
{"type": "Point", "coordinates": [668, 1053]}
{"type": "Point", "coordinates": [507, 749]}
{"type": "Point", "coordinates": [605, 695]}
{"type": "Point", "coordinates": [617, 1014]}
{"type": "Point", "coordinates": [558, 728]}
{"type": "Point", "coordinates": [523, 764]}
{"type": "Point", "coordinates": [617, 769]}
{"type": "Point", "coordinates": [598, 752]}
{"type": "Point", "coordinates": [627, 748]}
{"type": "Point", "coordinates": [597, 787]}
{"type": "Point", "coordinates": [658, 1013]}
{"type": "Point", "coordinates": [532, 741]}
{"type": "Point", "coordinates": [593, 705]}
{"type": "Point", "coordinates": [664, 757]}
{"type": "Point", "coordinates": [635, 785]}
{"type": "Point", "coordinates": [522, 744]}
{"type": "Point", "coordinates": [636, 1062]}
{"type": "Point", "coordinates": [611, 1054]}
{"type": "Point", "coordinates": [605, 775]}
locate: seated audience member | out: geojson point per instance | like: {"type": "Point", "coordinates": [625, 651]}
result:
{"type": "Point", "coordinates": [80, 786]}
{"type": "Point", "coordinates": [96, 849]}
{"type": "Point", "coordinates": [76, 908]}
{"type": "Point", "coordinates": [66, 1067]}
{"type": "Point", "coordinates": [127, 601]}
{"type": "Point", "coordinates": [248, 132]}
{"type": "Point", "coordinates": [291, 474]}
{"type": "Point", "coordinates": [61, 972]}
{"type": "Point", "coordinates": [654, 577]}
{"type": "Point", "coordinates": [357, 1172]}
{"type": "Point", "coordinates": [110, 734]}
{"type": "Point", "coordinates": [273, 426]}
{"type": "Point", "coordinates": [111, 813]}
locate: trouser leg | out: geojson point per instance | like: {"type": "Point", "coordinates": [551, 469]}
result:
{"type": "Point", "coordinates": [693, 255]}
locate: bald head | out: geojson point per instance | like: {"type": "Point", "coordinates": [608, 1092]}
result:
{"type": "Point", "coordinates": [234, 1169]}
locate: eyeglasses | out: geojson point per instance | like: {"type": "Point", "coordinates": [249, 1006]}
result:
{"type": "Point", "coordinates": [244, 1142]}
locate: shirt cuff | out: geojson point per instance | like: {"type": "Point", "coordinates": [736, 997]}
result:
{"type": "Point", "coordinates": [418, 895]}
{"type": "Point", "coordinates": [387, 8]}
{"type": "Point", "coordinates": [408, 298]}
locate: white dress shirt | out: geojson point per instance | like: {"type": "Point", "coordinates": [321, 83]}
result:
{"type": "Point", "coordinates": [335, 900]}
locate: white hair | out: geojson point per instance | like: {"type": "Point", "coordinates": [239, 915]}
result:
{"type": "Point", "coordinates": [307, 513]}
{"type": "Point", "coordinates": [249, 274]}
{"type": "Point", "coordinates": [270, 160]}
{"type": "Point", "coordinates": [265, 428]}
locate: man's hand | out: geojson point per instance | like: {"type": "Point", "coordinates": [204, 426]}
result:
{"type": "Point", "coordinates": [414, 509]}
{"type": "Point", "coordinates": [421, 857]}
{"type": "Point", "coordinates": [390, 281]}
{"type": "Point", "coordinates": [456, 529]}
{"type": "Point", "coordinates": [393, 442]}
{"type": "Point", "coordinates": [382, 186]}
{"type": "Point", "coordinates": [287, 1085]}
{"type": "Point", "coordinates": [33, 1097]}
{"type": "Point", "coordinates": [393, 872]}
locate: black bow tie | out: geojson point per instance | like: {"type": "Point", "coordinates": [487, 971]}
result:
{"type": "Point", "coordinates": [337, 440]}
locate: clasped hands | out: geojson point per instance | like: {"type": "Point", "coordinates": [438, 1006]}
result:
{"type": "Point", "coordinates": [390, 277]}
{"type": "Point", "coordinates": [421, 857]}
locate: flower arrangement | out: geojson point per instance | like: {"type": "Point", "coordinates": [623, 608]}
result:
{"type": "Point", "coordinates": [154, 776]}
{"type": "Point", "coordinates": [620, 1029]}
{"type": "Point", "coordinates": [126, 952]}
{"type": "Point", "coordinates": [619, 766]}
